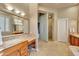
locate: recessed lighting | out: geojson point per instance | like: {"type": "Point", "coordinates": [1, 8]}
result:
{"type": "Point", "coordinates": [22, 14]}
{"type": "Point", "coordinates": [9, 8]}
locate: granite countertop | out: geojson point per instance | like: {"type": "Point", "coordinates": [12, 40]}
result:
{"type": "Point", "coordinates": [74, 50]}
{"type": "Point", "coordinates": [75, 34]}
{"type": "Point", "coordinates": [15, 41]}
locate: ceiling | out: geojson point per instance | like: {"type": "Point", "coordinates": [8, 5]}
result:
{"type": "Point", "coordinates": [25, 6]}
{"type": "Point", "coordinates": [22, 7]}
{"type": "Point", "coordinates": [19, 6]}
{"type": "Point", "coordinates": [56, 5]}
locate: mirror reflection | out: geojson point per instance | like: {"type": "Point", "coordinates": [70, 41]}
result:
{"type": "Point", "coordinates": [11, 24]}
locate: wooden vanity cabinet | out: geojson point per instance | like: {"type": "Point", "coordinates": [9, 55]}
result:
{"type": "Point", "coordinates": [74, 40]}
{"type": "Point", "coordinates": [12, 53]}
{"type": "Point", "coordinates": [20, 49]}
{"type": "Point", "coordinates": [24, 49]}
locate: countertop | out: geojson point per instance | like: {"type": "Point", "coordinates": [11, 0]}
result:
{"type": "Point", "coordinates": [15, 41]}
{"type": "Point", "coordinates": [74, 50]}
{"type": "Point", "coordinates": [75, 34]}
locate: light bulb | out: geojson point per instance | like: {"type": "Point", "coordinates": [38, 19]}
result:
{"type": "Point", "coordinates": [22, 14]}
{"type": "Point", "coordinates": [17, 11]}
{"type": "Point", "coordinates": [9, 8]}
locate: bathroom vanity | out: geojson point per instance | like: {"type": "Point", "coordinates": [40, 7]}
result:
{"type": "Point", "coordinates": [20, 49]}
{"type": "Point", "coordinates": [17, 46]}
{"type": "Point", "coordinates": [74, 39]}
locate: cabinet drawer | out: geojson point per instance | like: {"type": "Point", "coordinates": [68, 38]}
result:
{"type": "Point", "coordinates": [73, 40]}
{"type": "Point", "coordinates": [24, 48]}
{"type": "Point", "coordinates": [13, 53]}
{"type": "Point", "coordinates": [23, 51]}
{"type": "Point", "coordinates": [77, 41]}
{"type": "Point", "coordinates": [17, 50]}
{"type": "Point", "coordinates": [31, 42]}
{"type": "Point", "coordinates": [24, 44]}
{"type": "Point", "coordinates": [11, 50]}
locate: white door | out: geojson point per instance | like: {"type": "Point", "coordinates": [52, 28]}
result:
{"type": "Point", "coordinates": [63, 29]}
{"type": "Point", "coordinates": [43, 28]}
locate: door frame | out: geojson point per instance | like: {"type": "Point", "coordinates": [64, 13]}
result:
{"type": "Point", "coordinates": [44, 37]}
{"type": "Point", "coordinates": [66, 30]}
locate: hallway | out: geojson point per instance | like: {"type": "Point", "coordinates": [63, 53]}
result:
{"type": "Point", "coordinates": [52, 48]}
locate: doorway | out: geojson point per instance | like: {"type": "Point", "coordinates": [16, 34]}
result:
{"type": "Point", "coordinates": [62, 29]}
{"type": "Point", "coordinates": [50, 26]}
{"type": "Point", "coordinates": [43, 26]}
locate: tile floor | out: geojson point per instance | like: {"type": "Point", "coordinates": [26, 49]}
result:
{"type": "Point", "coordinates": [52, 48]}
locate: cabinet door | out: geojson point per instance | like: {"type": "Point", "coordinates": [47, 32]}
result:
{"type": "Point", "coordinates": [24, 49]}
{"type": "Point", "coordinates": [17, 50]}
{"type": "Point", "coordinates": [72, 40]}
{"type": "Point", "coordinates": [14, 53]}
{"type": "Point", "coordinates": [77, 41]}
{"type": "Point", "coordinates": [24, 52]}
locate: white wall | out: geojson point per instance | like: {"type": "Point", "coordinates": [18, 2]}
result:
{"type": "Point", "coordinates": [54, 11]}
{"type": "Point", "coordinates": [43, 27]}
{"type": "Point", "coordinates": [33, 19]}
{"type": "Point", "coordinates": [55, 25]}
{"type": "Point", "coordinates": [72, 26]}
{"type": "Point", "coordinates": [71, 13]}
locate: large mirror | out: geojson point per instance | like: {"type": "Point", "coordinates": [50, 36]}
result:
{"type": "Point", "coordinates": [11, 24]}
{"type": "Point", "coordinates": [18, 25]}
{"type": "Point", "coordinates": [4, 22]}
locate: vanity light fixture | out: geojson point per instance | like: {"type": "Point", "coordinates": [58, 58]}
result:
{"type": "Point", "coordinates": [17, 11]}
{"type": "Point", "coordinates": [22, 14]}
{"type": "Point", "coordinates": [9, 8]}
